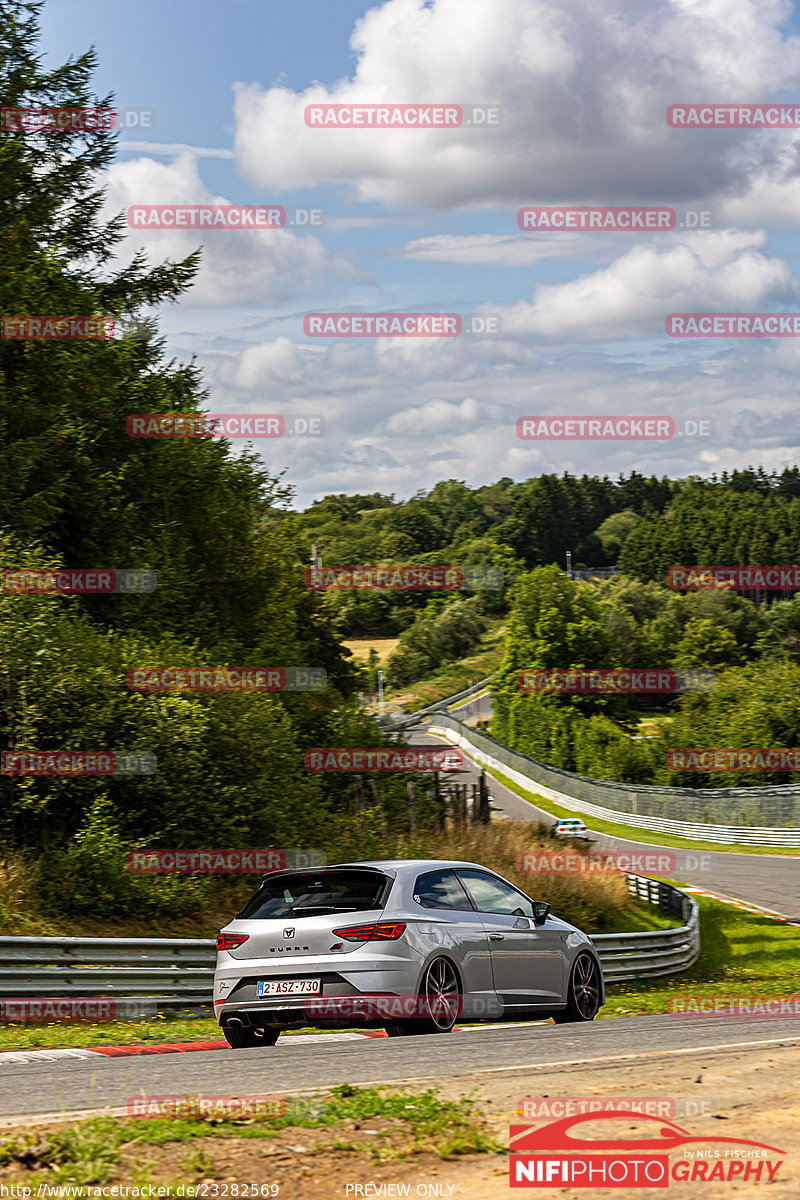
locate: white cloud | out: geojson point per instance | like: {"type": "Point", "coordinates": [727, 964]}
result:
{"type": "Point", "coordinates": [512, 250]}
{"type": "Point", "coordinates": [255, 266]}
{"type": "Point", "coordinates": [583, 86]}
{"type": "Point", "coordinates": [708, 272]}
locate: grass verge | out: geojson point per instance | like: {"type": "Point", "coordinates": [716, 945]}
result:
{"type": "Point", "coordinates": [377, 1124]}
{"type": "Point", "coordinates": [742, 955]}
{"type": "Point", "coordinates": [455, 677]}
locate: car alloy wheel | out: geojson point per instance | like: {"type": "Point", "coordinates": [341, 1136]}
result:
{"type": "Point", "coordinates": [583, 998]}
{"type": "Point", "coordinates": [439, 1002]}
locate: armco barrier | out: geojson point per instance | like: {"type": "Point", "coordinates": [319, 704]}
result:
{"type": "Point", "coordinates": [409, 719]}
{"type": "Point", "coordinates": [768, 816]}
{"type": "Point", "coordinates": [170, 970]}
{"type": "Point", "coordinates": [662, 952]}
{"type": "Point", "coordinates": [179, 973]}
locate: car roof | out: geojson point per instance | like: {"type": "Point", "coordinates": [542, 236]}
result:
{"type": "Point", "coordinates": [396, 864]}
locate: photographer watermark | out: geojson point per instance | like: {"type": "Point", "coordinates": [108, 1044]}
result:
{"type": "Point", "coordinates": [76, 582]}
{"type": "Point", "coordinates": [610, 219]}
{"type": "Point", "coordinates": [385, 1006]}
{"type": "Point", "coordinates": [219, 1107]}
{"type": "Point", "coordinates": [740, 325]}
{"type": "Point", "coordinates": [615, 862]}
{"type": "Point", "coordinates": [734, 759]}
{"type": "Point", "coordinates": [77, 762]}
{"type": "Point", "coordinates": [74, 119]}
{"type": "Point", "coordinates": [397, 324]}
{"type": "Point", "coordinates": [222, 216]}
{"type": "Point", "coordinates": [609, 429]}
{"type": "Point", "coordinates": [227, 679]}
{"type": "Point", "coordinates": [699, 1004]}
{"type": "Point", "coordinates": [553, 1108]}
{"type": "Point", "coordinates": [401, 116]}
{"type": "Point", "coordinates": [384, 759]}
{"type": "Point", "coordinates": [56, 329]}
{"type": "Point", "coordinates": [614, 681]}
{"type": "Point", "coordinates": [223, 425]}
{"type": "Point", "coordinates": [23, 1010]}
{"type": "Point", "coordinates": [740, 579]}
{"type": "Point", "coordinates": [221, 862]}
{"type": "Point", "coordinates": [402, 578]}
{"type": "Point", "coordinates": [733, 116]}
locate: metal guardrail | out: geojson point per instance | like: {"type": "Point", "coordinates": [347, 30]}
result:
{"type": "Point", "coordinates": [169, 968]}
{"type": "Point", "coordinates": [180, 972]}
{"type": "Point", "coordinates": [660, 952]}
{"type": "Point", "coordinates": [768, 816]}
{"type": "Point", "coordinates": [409, 719]}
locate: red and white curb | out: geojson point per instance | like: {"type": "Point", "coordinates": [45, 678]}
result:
{"type": "Point", "coordinates": [752, 908]}
{"type": "Point", "coordinates": [33, 1056]}
{"type": "Point", "coordinates": [135, 1051]}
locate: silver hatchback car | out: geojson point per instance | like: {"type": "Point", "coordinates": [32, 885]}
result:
{"type": "Point", "coordinates": [409, 945]}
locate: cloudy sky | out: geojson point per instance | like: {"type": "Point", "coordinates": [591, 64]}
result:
{"type": "Point", "coordinates": [426, 221]}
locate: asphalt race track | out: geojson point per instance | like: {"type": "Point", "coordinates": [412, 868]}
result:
{"type": "Point", "coordinates": [770, 881]}
{"type": "Point", "coordinates": [70, 1086]}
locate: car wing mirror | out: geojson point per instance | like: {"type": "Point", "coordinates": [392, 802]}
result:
{"type": "Point", "coordinates": [541, 911]}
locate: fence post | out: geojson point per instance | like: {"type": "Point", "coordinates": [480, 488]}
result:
{"type": "Point", "coordinates": [412, 808]}
{"type": "Point", "coordinates": [378, 804]}
{"type": "Point", "coordinates": [483, 808]}
{"type": "Point", "coordinates": [359, 790]}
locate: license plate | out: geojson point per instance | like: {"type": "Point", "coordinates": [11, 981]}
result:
{"type": "Point", "coordinates": [288, 987]}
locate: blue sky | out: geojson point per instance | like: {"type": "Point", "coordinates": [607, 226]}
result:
{"type": "Point", "coordinates": [427, 221]}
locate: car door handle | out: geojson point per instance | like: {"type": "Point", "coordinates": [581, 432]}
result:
{"type": "Point", "coordinates": [497, 937]}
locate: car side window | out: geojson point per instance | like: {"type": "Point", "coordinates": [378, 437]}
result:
{"type": "Point", "coordinates": [441, 889]}
{"type": "Point", "coordinates": [494, 895]}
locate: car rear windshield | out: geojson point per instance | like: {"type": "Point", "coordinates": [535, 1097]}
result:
{"type": "Point", "coordinates": [317, 893]}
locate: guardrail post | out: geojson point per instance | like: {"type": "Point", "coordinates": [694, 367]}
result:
{"type": "Point", "coordinates": [412, 808]}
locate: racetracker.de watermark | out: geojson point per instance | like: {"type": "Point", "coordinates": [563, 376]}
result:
{"type": "Point", "coordinates": [47, 328]}
{"type": "Point", "coordinates": [739, 325]}
{"type": "Point", "coordinates": [613, 680]}
{"type": "Point", "coordinates": [385, 760]}
{"type": "Point", "coordinates": [553, 1108]}
{"type": "Point", "coordinates": [221, 216]}
{"type": "Point", "coordinates": [221, 862]}
{"type": "Point", "coordinates": [70, 583]}
{"type": "Point", "coordinates": [77, 762]}
{"type": "Point", "coordinates": [401, 325]}
{"type": "Point", "coordinates": [610, 219]}
{"type": "Point", "coordinates": [733, 116]}
{"type": "Point", "coordinates": [401, 116]}
{"type": "Point", "coordinates": [19, 1010]}
{"type": "Point", "coordinates": [699, 1004]}
{"type": "Point", "coordinates": [402, 578]}
{"type": "Point", "coordinates": [609, 428]}
{"type": "Point", "coordinates": [728, 758]}
{"type": "Point", "coordinates": [223, 425]}
{"type": "Point", "coordinates": [206, 1106]}
{"type": "Point", "coordinates": [744, 579]}
{"type": "Point", "coordinates": [74, 119]}
{"type": "Point", "coordinates": [618, 862]}
{"type": "Point", "coordinates": [389, 1007]}
{"type": "Point", "coordinates": [227, 679]}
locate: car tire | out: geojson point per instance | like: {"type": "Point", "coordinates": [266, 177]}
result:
{"type": "Point", "coordinates": [583, 994]}
{"type": "Point", "coordinates": [439, 998]}
{"type": "Point", "coordinates": [242, 1036]}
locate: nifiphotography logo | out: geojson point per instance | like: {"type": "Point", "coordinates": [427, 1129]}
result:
{"type": "Point", "coordinates": [556, 1155]}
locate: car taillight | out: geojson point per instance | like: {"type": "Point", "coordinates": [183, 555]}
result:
{"type": "Point", "coordinates": [376, 931]}
{"type": "Point", "coordinates": [229, 941]}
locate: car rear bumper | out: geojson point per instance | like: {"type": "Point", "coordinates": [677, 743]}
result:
{"type": "Point", "coordinates": [235, 988]}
